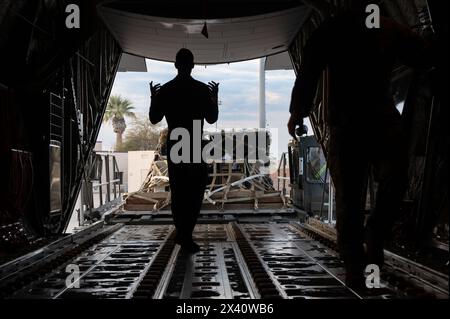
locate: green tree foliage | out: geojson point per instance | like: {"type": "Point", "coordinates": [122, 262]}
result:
{"type": "Point", "coordinates": [141, 136]}
{"type": "Point", "coordinates": [117, 109]}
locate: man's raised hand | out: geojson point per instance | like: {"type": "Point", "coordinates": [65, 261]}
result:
{"type": "Point", "coordinates": [294, 120]}
{"type": "Point", "coordinates": [214, 90]}
{"type": "Point", "coordinates": [154, 89]}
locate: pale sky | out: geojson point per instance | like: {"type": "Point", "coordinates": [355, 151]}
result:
{"type": "Point", "coordinates": [238, 93]}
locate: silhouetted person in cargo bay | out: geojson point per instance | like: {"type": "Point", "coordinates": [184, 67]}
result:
{"type": "Point", "coordinates": [182, 101]}
{"type": "Point", "coordinates": [364, 125]}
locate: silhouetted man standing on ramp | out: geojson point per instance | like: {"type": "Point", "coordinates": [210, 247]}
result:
{"type": "Point", "coordinates": [365, 126]}
{"type": "Point", "coordinates": [185, 102]}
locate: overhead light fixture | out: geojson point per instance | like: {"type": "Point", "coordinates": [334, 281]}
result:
{"type": "Point", "coordinates": [205, 31]}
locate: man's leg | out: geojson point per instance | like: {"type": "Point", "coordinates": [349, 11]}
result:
{"type": "Point", "coordinates": [174, 199]}
{"type": "Point", "coordinates": [180, 201]}
{"type": "Point", "coordinates": [390, 168]}
{"type": "Point", "coordinates": [198, 191]}
{"type": "Point", "coordinates": [186, 202]}
{"type": "Point", "coordinates": [348, 167]}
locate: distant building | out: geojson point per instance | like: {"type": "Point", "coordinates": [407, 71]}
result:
{"type": "Point", "coordinates": [139, 163]}
{"type": "Point", "coordinates": [98, 146]}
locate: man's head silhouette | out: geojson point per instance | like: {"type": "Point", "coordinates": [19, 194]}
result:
{"type": "Point", "coordinates": [184, 61]}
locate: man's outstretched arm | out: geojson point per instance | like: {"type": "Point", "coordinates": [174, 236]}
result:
{"type": "Point", "coordinates": [305, 86]}
{"type": "Point", "coordinates": [156, 112]}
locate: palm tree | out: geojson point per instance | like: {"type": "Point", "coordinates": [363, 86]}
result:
{"type": "Point", "coordinates": [118, 108]}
